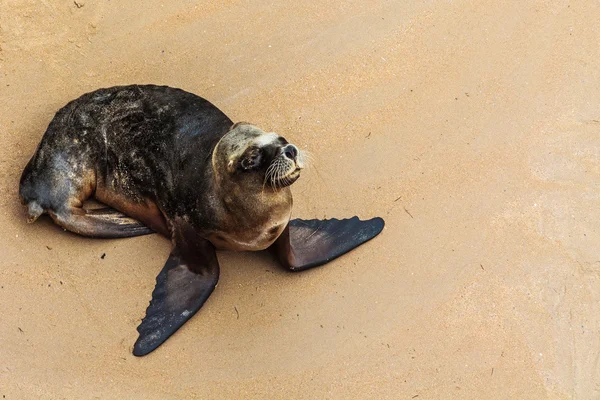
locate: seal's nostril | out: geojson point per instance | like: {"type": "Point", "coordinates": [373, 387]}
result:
{"type": "Point", "coordinates": [290, 151]}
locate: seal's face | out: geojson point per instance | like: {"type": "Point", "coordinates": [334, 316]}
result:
{"type": "Point", "coordinates": [254, 157]}
{"type": "Point", "coordinates": [253, 171]}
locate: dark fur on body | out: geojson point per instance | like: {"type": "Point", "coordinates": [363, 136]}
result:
{"type": "Point", "coordinates": [146, 151]}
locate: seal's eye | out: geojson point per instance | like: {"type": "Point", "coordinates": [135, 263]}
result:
{"type": "Point", "coordinates": [251, 159]}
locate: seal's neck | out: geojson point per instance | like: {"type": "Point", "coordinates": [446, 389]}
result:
{"type": "Point", "coordinates": [253, 199]}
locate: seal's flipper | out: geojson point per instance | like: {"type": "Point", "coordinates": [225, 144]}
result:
{"type": "Point", "coordinates": [309, 243]}
{"type": "Point", "coordinates": [100, 223]}
{"type": "Point", "coordinates": [186, 281]}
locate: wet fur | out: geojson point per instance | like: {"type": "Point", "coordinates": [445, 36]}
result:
{"type": "Point", "coordinates": [147, 151]}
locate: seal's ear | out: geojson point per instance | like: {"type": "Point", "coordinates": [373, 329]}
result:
{"type": "Point", "coordinates": [238, 124]}
{"type": "Point", "coordinates": [306, 244]}
{"type": "Point", "coordinates": [186, 281]}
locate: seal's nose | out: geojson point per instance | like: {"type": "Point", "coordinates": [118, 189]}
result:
{"type": "Point", "coordinates": [290, 151]}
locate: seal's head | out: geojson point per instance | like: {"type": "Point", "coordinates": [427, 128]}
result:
{"type": "Point", "coordinates": [252, 157]}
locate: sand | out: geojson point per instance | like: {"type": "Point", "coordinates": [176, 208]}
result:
{"type": "Point", "coordinates": [472, 127]}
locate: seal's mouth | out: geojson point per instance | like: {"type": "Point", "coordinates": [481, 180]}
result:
{"type": "Point", "coordinates": [285, 168]}
{"type": "Point", "coordinates": [290, 178]}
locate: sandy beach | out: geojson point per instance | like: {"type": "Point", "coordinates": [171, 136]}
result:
{"type": "Point", "coordinates": [471, 127]}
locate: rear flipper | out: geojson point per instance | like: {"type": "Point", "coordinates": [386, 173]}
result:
{"type": "Point", "coordinates": [306, 244]}
{"type": "Point", "coordinates": [100, 223]}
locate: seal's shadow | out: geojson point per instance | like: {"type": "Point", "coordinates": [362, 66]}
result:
{"type": "Point", "coordinates": [248, 263]}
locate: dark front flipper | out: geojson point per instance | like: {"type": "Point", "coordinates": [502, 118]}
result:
{"type": "Point", "coordinates": [101, 223]}
{"type": "Point", "coordinates": [186, 281]}
{"type": "Point", "coordinates": [309, 243]}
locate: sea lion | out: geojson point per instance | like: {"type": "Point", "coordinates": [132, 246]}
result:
{"type": "Point", "coordinates": [167, 161]}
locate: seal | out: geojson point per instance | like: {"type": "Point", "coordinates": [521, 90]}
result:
{"type": "Point", "coordinates": [165, 160]}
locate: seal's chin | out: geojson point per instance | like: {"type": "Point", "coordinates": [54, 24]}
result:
{"type": "Point", "coordinates": [288, 179]}
{"type": "Point", "coordinates": [282, 173]}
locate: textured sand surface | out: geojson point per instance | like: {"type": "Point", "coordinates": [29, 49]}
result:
{"type": "Point", "coordinates": [472, 127]}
